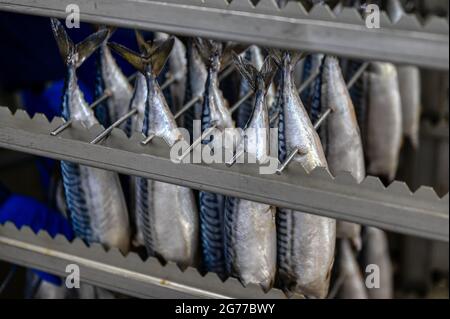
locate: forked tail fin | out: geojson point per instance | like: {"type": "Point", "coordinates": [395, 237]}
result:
{"type": "Point", "coordinates": [154, 54]}
{"type": "Point", "coordinates": [257, 79]}
{"type": "Point", "coordinates": [76, 54]}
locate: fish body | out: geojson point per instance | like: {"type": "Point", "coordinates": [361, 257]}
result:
{"type": "Point", "coordinates": [114, 81]}
{"type": "Point", "coordinates": [94, 197]}
{"type": "Point", "coordinates": [353, 285]}
{"type": "Point", "coordinates": [250, 228]}
{"type": "Point", "coordinates": [344, 149]}
{"type": "Point", "coordinates": [410, 93]}
{"type": "Point", "coordinates": [384, 127]}
{"type": "Point", "coordinates": [305, 243]}
{"type": "Point", "coordinates": [376, 252]}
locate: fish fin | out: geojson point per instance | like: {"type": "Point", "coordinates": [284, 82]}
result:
{"type": "Point", "coordinates": [277, 56]}
{"type": "Point", "coordinates": [297, 56]}
{"type": "Point", "coordinates": [160, 54]}
{"type": "Point", "coordinates": [268, 71]}
{"type": "Point", "coordinates": [247, 70]}
{"type": "Point", "coordinates": [208, 48]}
{"type": "Point", "coordinates": [65, 44]}
{"type": "Point", "coordinates": [132, 57]}
{"type": "Point", "coordinates": [80, 52]}
{"type": "Point", "coordinates": [86, 47]}
{"type": "Point", "coordinates": [144, 47]}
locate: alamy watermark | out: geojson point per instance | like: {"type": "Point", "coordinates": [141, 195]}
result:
{"type": "Point", "coordinates": [73, 16]}
{"type": "Point", "coordinates": [73, 277]}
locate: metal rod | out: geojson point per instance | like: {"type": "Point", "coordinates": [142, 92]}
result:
{"type": "Point", "coordinates": [322, 118]}
{"type": "Point", "coordinates": [196, 142]}
{"type": "Point", "coordinates": [287, 161]}
{"type": "Point", "coordinates": [106, 95]}
{"type": "Point", "coordinates": [308, 81]}
{"type": "Point", "coordinates": [169, 81]}
{"type": "Point", "coordinates": [108, 130]}
{"type": "Point", "coordinates": [357, 74]}
{"type": "Point", "coordinates": [242, 100]}
{"type": "Point", "coordinates": [229, 69]}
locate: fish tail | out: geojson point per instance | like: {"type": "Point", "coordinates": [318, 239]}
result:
{"type": "Point", "coordinates": [76, 54]}
{"type": "Point", "coordinates": [252, 75]}
{"type": "Point", "coordinates": [210, 51]}
{"type": "Point", "coordinates": [154, 54]}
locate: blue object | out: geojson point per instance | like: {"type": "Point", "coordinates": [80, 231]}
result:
{"type": "Point", "coordinates": [23, 210]}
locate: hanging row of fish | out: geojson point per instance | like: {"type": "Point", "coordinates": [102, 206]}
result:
{"type": "Point", "coordinates": [257, 243]}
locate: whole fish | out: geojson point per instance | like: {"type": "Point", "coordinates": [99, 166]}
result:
{"type": "Point", "coordinates": [215, 110]}
{"type": "Point", "coordinates": [384, 124]}
{"type": "Point", "coordinates": [353, 285]}
{"type": "Point", "coordinates": [250, 229]}
{"type": "Point", "coordinates": [410, 93]}
{"type": "Point", "coordinates": [344, 149]}
{"type": "Point", "coordinates": [178, 69]}
{"type": "Point", "coordinates": [376, 252]}
{"type": "Point", "coordinates": [111, 79]}
{"type": "Point", "coordinates": [94, 197]}
{"type": "Point", "coordinates": [306, 242]}
{"type": "Point", "coordinates": [166, 214]}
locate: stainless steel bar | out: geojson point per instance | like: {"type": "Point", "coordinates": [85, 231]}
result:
{"type": "Point", "coordinates": [395, 208]}
{"type": "Point", "coordinates": [108, 130]}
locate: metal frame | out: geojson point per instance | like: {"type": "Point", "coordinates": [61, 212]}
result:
{"type": "Point", "coordinates": [292, 27]}
{"type": "Point", "coordinates": [111, 270]}
{"type": "Point", "coordinates": [394, 208]}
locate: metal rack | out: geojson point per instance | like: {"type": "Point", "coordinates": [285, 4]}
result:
{"type": "Point", "coordinates": [395, 208]}
{"type": "Point", "coordinates": [345, 33]}
{"type": "Point", "coordinates": [420, 213]}
{"type": "Point", "coordinates": [111, 270]}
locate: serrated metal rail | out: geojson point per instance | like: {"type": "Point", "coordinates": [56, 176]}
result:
{"type": "Point", "coordinates": [407, 40]}
{"type": "Point", "coordinates": [111, 270]}
{"type": "Point", "coordinates": [394, 208]}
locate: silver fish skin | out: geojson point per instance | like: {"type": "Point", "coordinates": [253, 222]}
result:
{"type": "Point", "coordinates": [306, 242]}
{"type": "Point", "coordinates": [376, 252]}
{"type": "Point", "coordinates": [344, 144]}
{"type": "Point", "coordinates": [353, 285]}
{"type": "Point", "coordinates": [104, 196]}
{"type": "Point", "coordinates": [299, 130]}
{"type": "Point", "coordinates": [197, 77]}
{"type": "Point", "coordinates": [410, 93]}
{"type": "Point", "coordinates": [384, 128]}
{"type": "Point", "coordinates": [258, 61]}
{"type": "Point", "coordinates": [178, 69]}
{"type": "Point", "coordinates": [250, 227]}
{"type": "Point", "coordinates": [116, 83]}
{"type": "Point", "coordinates": [167, 214]}
{"type": "Point", "coordinates": [138, 102]}
{"type": "Point", "coordinates": [219, 111]}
